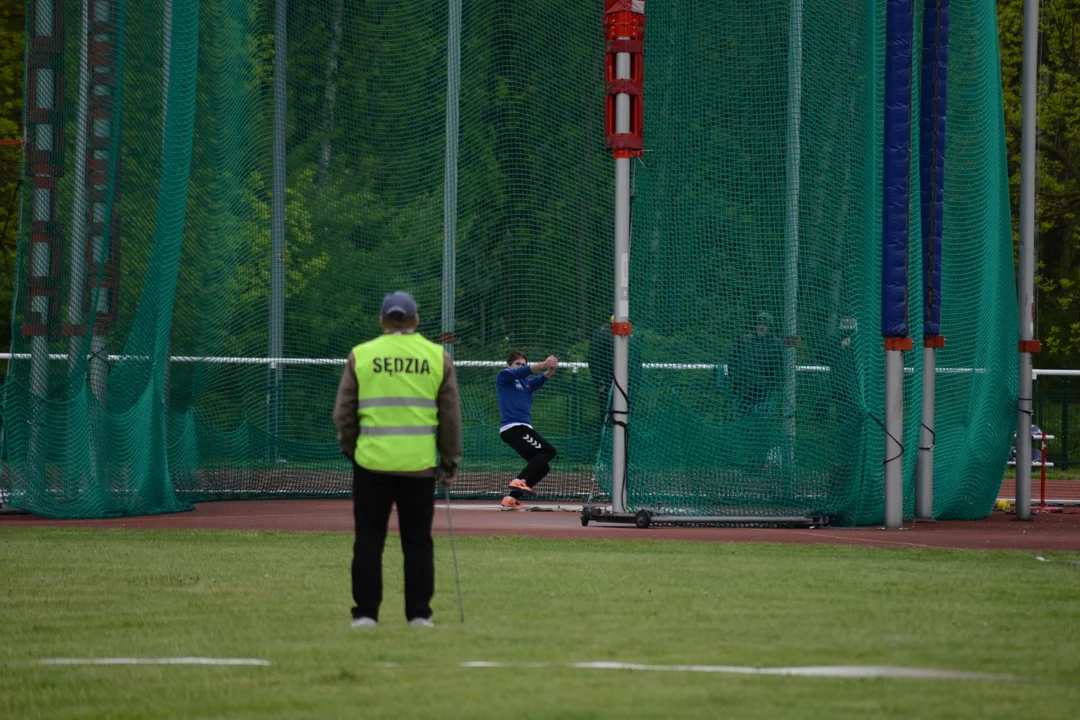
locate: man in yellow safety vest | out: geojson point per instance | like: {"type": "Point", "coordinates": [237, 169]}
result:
{"type": "Point", "coordinates": [398, 419]}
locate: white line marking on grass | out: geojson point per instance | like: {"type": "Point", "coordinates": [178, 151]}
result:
{"type": "Point", "coordinates": [156, 661]}
{"type": "Point", "coordinates": [830, 671]}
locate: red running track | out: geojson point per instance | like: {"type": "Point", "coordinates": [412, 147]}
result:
{"type": "Point", "coordinates": [1059, 531]}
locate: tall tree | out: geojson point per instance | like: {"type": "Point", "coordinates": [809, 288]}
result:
{"type": "Point", "coordinates": [12, 22]}
{"type": "Point", "coordinates": [1058, 168]}
{"type": "Point", "coordinates": [330, 93]}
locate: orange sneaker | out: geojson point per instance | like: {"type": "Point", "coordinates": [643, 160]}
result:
{"type": "Point", "coordinates": [510, 503]}
{"type": "Point", "coordinates": [519, 484]}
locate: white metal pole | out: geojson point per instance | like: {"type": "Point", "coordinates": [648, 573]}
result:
{"type": "Point", "coordinates": [1026, 280]}
{"type": "Point", "coordinates": [166, 61]}
{"type": "Point", "coordinates": [39, 344]}
{"type": "Point", "coordinates": [81, 200]}
{"type": "Point", "coordinates": [277, 224]}
{"type": "Point", "coordinates": [98, 364]}
{"type": "Point", "coordinates": [620, 392]}
{"type": "Point", "coordinates": [794, 164]}
{"type": "Point", "coordinates": [894, 432]}
{"type": "Point", "coordinates": [453, 92]}
{"type": "Point", "coordinates": [924, 463]}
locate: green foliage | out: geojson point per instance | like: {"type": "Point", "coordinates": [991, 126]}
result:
{"type": "Point", "coordinates": [250, 284]}
{"type": "Point", "coordinates": [12, 21]}
{"type": "Point", "coordinates": [357, 168]}
{"type": "Point", "coordinates": [1058, 167]}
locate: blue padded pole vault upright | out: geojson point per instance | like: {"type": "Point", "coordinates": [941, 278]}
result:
{"type": "Point", "coordinates": [935, 62]}
{"type": "Point", "coordinates": [894, 244]}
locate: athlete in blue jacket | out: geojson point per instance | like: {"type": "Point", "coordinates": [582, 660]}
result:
{"type": "Point", "coordinates": [515, 391]}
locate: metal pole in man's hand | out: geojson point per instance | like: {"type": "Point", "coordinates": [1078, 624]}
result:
{"type": "Point", "coordinates": [453, 551]}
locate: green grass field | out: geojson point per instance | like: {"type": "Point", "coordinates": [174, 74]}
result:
{"type": "Point", "coordinates": [284, 597]}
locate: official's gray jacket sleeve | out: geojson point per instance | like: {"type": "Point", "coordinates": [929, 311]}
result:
{"type": "Point", "coordinates": [449, 403]}
{"type": "Point", "coordinates": [348, 426]}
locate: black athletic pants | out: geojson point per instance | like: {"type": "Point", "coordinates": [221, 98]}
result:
{"type": "Point", "coordinates": [373, 495]}
{"type": "Point", "coordinates": [532, 446]}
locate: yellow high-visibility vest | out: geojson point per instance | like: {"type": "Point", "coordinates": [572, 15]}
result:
{"type": "Point", "coordinates": [398, 377]}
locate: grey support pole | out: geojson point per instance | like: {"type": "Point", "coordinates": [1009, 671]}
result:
{"type": "Point", "coordinates": [166, 65]}
{"type": "Point", "coordinates": [81, 201]}
{"type": "Point", "coordinates": [791, 269]}
{"type": "Point", "coordinates": [894, 433]}
{"type": "Point", "coordinates": [622, 296]}
{"type": "Point", "coordinates": [166, 62]}
{"type": "Point", "coordinates": [97, 368]}
{"type": "Point", "coordinates": [924, 463]}
{"type": "Point", "coordinates": [932, 140]}
{"type": "Point", "coordinates": [277, 228]}
{"type": "Point", "coordinates": [453, 92]}
{"type": "Point", "coordinates": [1026, 280]}
{"type": "Point", "coordinates": [41, 254]}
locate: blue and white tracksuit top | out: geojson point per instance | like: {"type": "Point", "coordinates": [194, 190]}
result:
{"type": "Point", "coordinates": [515, 390]}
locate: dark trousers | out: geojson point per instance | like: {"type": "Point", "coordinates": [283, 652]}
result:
{"type": "Point", "coordinates": [532, 446]}
{"type": "Point", "coordinates": [373, 495]}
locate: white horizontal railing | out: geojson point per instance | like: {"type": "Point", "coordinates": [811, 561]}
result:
{"type": "Point", "coordinates": [1035, 373]}
{"type": "Point", "coordinates": [575, 366]}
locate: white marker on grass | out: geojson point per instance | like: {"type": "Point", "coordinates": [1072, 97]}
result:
{"type": "Point", "coordinates": [826, 671]}
{"type": "Point", "coordinates": [252, 662]}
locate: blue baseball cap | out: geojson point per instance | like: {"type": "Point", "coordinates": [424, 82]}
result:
{"type": "Point", "coordinates": [399, 303]}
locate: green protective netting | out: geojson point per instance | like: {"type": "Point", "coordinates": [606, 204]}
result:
{"type": "Point", "coordinates": [759, 191]}
{"type": "Point", "coordinates": [976, 409]}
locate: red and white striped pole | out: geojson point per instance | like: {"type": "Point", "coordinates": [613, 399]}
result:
{"type": "Point", "coordinates": [95, 223]}
{"type": "Point", "coordinates": [624, 28]}
{"type": "Point", "coordinates": [44, 158]}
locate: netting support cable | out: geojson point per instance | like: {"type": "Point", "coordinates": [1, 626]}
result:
{"type": "Point", "coordinates": [933, 439]}
{"type": "Point", "coordinates": [620, 423]}
{"type": "Point", "coordinates": [1026, 280]}
{"type": "Point", "coordinates": [890, 438]}
{"type": "Point", "coordinates": [277, 222]}
{"type": "Point", "coordinates": [450, 181]}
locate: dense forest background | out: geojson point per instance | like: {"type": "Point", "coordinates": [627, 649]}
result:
{"type": "Point", "coordinates": [1058, 190]}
